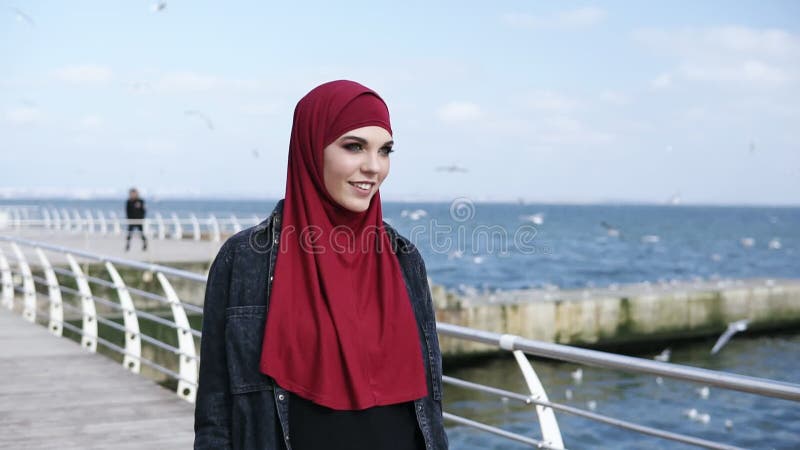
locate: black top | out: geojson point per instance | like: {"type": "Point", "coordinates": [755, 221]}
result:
{"type": "Point", "coordinates": [390, 427]}
{"type": "Point", "coordinates": [135, 209]}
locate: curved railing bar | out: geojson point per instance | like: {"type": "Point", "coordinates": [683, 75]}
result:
{"type": "Point", "coordinates": [76, 219]}
{"type": "Point", "coordinates": [56, 315]}
{"type": "Point", "coordinates": [551, 433]}
{"type": "Point", "coordinates": [178, 233]}
{"type": "Point", "coordinates": [88, 310]}
{"type": "Point", "coordinates": [101, 219]}
{"type": "Point", "coordinates": [188, 362]}
{"type": "Point", "coordinates": [133, 342]}
{"type": "Point", "coordinates": [7, 280]}
{"type": "Point", "coordinates": [195, 227]}
{"type": "Point", "coordinates": [89, 221]}
{"type": "Point", "coordinates": [162, 229]}
{"type": "Point", "coordinates": [28, 288]}
{"type": "Point", "coordinates": [214, 224]}
{"type": "Point", "coordinates": [47, 219]}
{"type": "Point", "coordinates": [56, 219]}
{"type": "Point", "coordinates": [115, 225]}
{"type": "Point", "coordinates": [561, 352]}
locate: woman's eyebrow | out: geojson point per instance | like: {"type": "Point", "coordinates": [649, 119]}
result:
{"type": "Point", "coordinates": [361, 140]}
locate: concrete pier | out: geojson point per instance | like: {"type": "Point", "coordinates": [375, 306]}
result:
{"type": "Point", "coordinates": [629, 314]}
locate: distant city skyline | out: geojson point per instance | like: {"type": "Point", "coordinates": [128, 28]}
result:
{"type": "Point", "coordinates": [568, 102]}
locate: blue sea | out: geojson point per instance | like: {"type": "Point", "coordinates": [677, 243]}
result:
{"type": "Point", "coordinates": [489, 246]}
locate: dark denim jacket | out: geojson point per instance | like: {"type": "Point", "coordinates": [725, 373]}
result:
{"type": "Point", "coordinates": [238, 407]}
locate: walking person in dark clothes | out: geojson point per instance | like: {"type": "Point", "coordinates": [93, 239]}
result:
{"type": "Point", "coordinates": [134, 210]}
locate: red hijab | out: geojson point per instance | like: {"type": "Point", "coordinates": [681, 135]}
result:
{"type": "Point", "coordinates": [340, 330]}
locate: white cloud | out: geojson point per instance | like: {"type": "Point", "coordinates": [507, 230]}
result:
{"type": "Point", "coordinates": [721, 42]}
{"type": "Point", "coordinates": [84, 74]}
{"type": "Point", "coordinates": [91, 122]}
{"type": "Point", "coordinates": [759, 57]}
{"type": "Point", "coordinates": [662, 81]}
{"type": "Point", "coordinates": [548, 101]}
{"type": "Point", "coordinates": [198, 82]}
{"type": "Point", "coordinates": [571, 19]}
{"type": "Point", "coordinates": [745, 71]}
{"type": "Point", "coordinates": [23, 115]}
{"type": "Point", "coordinates": [614, 97]}
{"type": "Point", "coordinates": [459, 112]}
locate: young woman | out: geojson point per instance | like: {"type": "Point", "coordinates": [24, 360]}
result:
{"type": "Point", "coordinates": [318, 327]}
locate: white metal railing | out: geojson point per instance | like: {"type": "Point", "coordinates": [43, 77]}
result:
{"type": "Point", "coordinates": [187, 359]}
{"type": "Point", "coordinates": [98, 222]}
{"type": "Point", "coordinates": [20, 276]}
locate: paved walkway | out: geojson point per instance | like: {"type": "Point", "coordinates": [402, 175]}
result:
{"type": "Point", "coordinates": [53, 394]}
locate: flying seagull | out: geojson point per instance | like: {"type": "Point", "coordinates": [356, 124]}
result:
{"type": "Point", "coordinates": [610, 229]}
{"type": "Point", "coordinates": [451, 168]}
{"type": "Point", "coordinates": [733, 328]}
{"type": "Point", "coordinates": [160, 6]}
{"type": "Point", "coordinates": [22, 17]}
{"type": "Point", "coordinates": [199, 114]}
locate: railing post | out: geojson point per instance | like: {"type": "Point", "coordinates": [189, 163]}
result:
{"type": "Point", "coordinates": [54, 291]}
{"type": "Point", "coordinates": [188, 361]}
{"type": "Point", "coordinates": [67, 220]}
{"type": "Point", "coordinates": [551, 434]}
{"type": "Point", "coordinates": [162, 230]}
{"type": "Point", "coordinates": [28, 288]}
{"type": "Point", "coordinates": [8, 282]}
{"type": "Point", "coordinates": [76, 217]}
{"type": "Point", "coordinates": [102, 219]}
{"type": "Point", "coordinates": [235, 224]}
{"type": "Point", "coordinates": [146, 228]}
{"type": "Point", "coordinates": [89, 337]}
{"type": "Point", "coordinates": [178, 233]}
{"type": "Point", "coordinates": [115, 222]}
{"type": "Point", "coordinates": [195, 227]}
{"type": "Point", "coordinates": [46, 219]}
{"type": "Point", "coordinates": [89, 221]}
{"type": "Point", "coordinates": [133, 341]}
{"type": "Point", "coordinates": [17, 218]}
{"type": "Point", "coordinates": [56, 219]}
{"type": "Point", "coordinates": [215, 235]}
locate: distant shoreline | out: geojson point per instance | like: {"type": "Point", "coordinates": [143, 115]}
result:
{"type": "Point", "coordinates": [155, 199]}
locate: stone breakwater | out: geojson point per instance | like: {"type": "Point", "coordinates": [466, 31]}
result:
{"type": "Point", "coordinates": [621, 315]}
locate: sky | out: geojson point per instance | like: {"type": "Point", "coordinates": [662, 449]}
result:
{"type": "Point", "coordinates": [542, 101]}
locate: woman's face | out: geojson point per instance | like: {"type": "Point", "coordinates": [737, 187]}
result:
{"type": "Point", "coordinates": [355, 165]}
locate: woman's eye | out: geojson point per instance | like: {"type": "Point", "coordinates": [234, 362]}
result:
{"type": "Point", "coordinates": [353, 147]}
{"type": "Point", "coordinates": [387, 150]}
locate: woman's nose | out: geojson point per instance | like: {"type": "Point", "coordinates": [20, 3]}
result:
{"type": "Point", "coordinates": [371, 162]}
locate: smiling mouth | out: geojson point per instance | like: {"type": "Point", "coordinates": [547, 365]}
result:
{"type": "Point", "coordinates": [362, 186]}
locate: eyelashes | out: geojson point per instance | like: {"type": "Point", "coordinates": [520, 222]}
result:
{"type": "Point", "coordinates": [356, 147]}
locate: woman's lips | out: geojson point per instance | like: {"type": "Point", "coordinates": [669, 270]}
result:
{"type": "Point", "coordinates": [361, 191]}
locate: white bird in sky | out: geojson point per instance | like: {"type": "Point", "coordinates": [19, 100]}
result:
{"type": "Point", "coordinates": [194, 112]}
{"type": "Point", "coordinates": [160, 6]}
{"type": "Point", "coordinates": [733, 328]}
{"type": "Point", "coordinates": [22, 17]}
{"type": "Point", "coordinates": [453, 168]}
{"type": "Point", "coordinates": [610, 229]}
{"type": "Point", "coordinates": [577, 375]}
